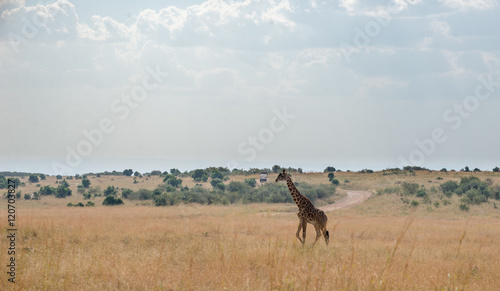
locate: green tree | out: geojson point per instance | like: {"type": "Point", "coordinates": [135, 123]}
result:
{"type": "Point", "coordinates": [329, 169]}
{"type": "Point", "coordinates": [112, 200]}
{"type": "Point", "coordinates": [175, 171]}
{"type": "Point", "coordinates": [251, 182]}
{"type": "Point", "coordinates": [331, 175]}
{"type": "Point", "coordinates": [410, 188]}
{"type": "Point", "coordinates": [218, 184]}
{"type": "Point", "coordinates": [33, 179]}
{"type": "Point", "coordinates": [126, 193]}
{"type": "Point", "coordinates": [128, 172]}
{"type": "Point", "coordinates": [111, 190]}
{"type": "Point", "coordinates": [86, 182]}
{"type": "Point", "coordinates": [217, 175]}
{"type": "Point", "coordinates": [276, 169]}
{"type": "Point", "coordinates": [200, 175]}
{"type": "Point", "coordinates": [62, 192]}
{"type": "Point", "coordinates": [64, 183]}
{"type": "Point", "coordinates": [47, 190]}
{"type": "Point", "coordinates": [172, 180]}
{"type": "Point", "coordinates": [496, 169]}
{"type": "Point", "coordinates": [449, 186]}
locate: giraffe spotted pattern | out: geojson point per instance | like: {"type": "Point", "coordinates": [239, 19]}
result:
{"type": "Point", "coordinates": [307, 213]}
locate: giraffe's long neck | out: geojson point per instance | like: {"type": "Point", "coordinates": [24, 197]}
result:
{"type": "Point", "coordinates": [297, 197]}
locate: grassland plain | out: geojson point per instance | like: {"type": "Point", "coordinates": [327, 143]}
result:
{"type": "Point", "coordinates": [381, 244]}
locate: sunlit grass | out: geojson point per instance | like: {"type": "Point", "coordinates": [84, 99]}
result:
{"type": "Point", "coordinates": [194, 247]}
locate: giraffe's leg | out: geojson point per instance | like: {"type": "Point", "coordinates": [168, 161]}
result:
{"type": "Point", "coordinates": [326, 234]}
{"type": "Point", "coordinates": [304, 227]}
{"type": "Point", "coordinates": [298, 232]}
{"type": "Point", "coordinates": [318, 233]}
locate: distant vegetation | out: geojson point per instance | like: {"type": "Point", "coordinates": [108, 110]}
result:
{"type": "Point", "coordinates": [233, 192]}
{"type": "Point", "coordinates": [471, 190]}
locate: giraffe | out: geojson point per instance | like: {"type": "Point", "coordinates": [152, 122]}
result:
{"type": "Point", "coordinates": [307, 213]}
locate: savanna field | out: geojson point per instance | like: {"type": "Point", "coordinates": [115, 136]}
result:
{"type": "Point", "coordinates": [389, 242]}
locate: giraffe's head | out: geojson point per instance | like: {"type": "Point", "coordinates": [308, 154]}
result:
{"type": "Point", "coordinates": [281, 177]}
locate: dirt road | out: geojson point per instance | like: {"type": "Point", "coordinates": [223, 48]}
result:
{"type": "Point", "coordinates": [353, 198]}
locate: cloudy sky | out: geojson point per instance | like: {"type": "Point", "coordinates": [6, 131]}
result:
{"type": "Point", "coordinates": [88, 86]}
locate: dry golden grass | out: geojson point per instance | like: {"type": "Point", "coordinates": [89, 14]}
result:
{"type": "Point", "coordinates": [247, 247]}
{"type": "Point", "coordinates": [382, 244]}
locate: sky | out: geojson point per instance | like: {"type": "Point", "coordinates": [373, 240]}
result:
{"type": "Point", "coordinates": [89, 86]}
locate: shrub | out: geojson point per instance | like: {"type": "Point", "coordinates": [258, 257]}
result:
{"type": "Point", "coordinates": [335, 181]}
{"type": "Point", "coordinates": [112, 200]}
{"type": "Point", "coordinates": [47, 190]}
{"type": "Point", "coordinates": [62, 192]}
{"type": "Point", "coordinates": [33, 179]}
{"type": "Point", "coordinates": [421, 193]}
{"type": "Point", "coordinates": [463, 207]}
{"type": "Point", "coordinates": [240, 187]}
{"type": "Point", "coordinates": [331, 175]}
{"type": "Point", "coordinates": [172, 180]}
{"type": "Point", "coordinates": [90, 203]}
{"type": "Point", "coordinates": [449, 186]}
{"type": "Point", "coordinates": [27, 197]}
{"type": "Point", "coordinates": [410, 188]}
{"type": "Point", "coordinates": [86, 182]}
{"type": "Point", "coordinates": [111, 190]}
{"type": "Point", "coordinates": [126, 193]}
{"type": "Point", "coordinates": [141, 194]}
{"type": "Point", "coordinates": [414, 203]}
{"type": "Point", "coordinates": [251, 182]}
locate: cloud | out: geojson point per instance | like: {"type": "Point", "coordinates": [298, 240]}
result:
{"type": "Point", "coordinates": [471, 4]}
{"type": "Point", "coordinates": [51, 22]}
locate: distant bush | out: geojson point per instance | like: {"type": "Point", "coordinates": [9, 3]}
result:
{"type": "Point", "coordinates": [62, 191]}
{"type": "Point", "coordinates": [449, 186]}
{"type": "Point", "coordinates": [218, 184]}
{"type": "Point", "coordinates": [251, 182]}
{"type": "Point", "coordinates": [126, 193]}
{"type": "Point", "coordinates": [33, 179]}
{"type": "Point", "coordinates": [141, 194]}
{"type": "Point", "coordinates": [410, 188]}
{"type": "Point", "coordinates": [112, 200]}
{"type": "Point", "coordinates": [335, 182]}
{"type": "Point", "coordinates": [172, 180]}
{"type": "Point", "coordinates": [47, 190]}
{"type": "Point", "coordinates": [200, 175]}
{"type": "Point", "coordinates": [464, 207]}
{"type": "Point", "coordinates": [111, 190]}
{"type": "Point", "coordinates": [86, 183]}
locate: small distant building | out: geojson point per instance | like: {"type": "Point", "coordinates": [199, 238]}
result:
{"type": "Point", "coordinates": [263, 177]}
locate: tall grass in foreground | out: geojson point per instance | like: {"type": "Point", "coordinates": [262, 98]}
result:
{"type": "Point", "coordinates": [247, 247]}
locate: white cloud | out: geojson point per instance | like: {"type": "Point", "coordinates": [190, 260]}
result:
{"type": "Point", "coordinates": [240, 59]}
{"type": "Point", "coordinates": [105, 28]}
{"type": "Point", "coordinates": [471, 4]}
